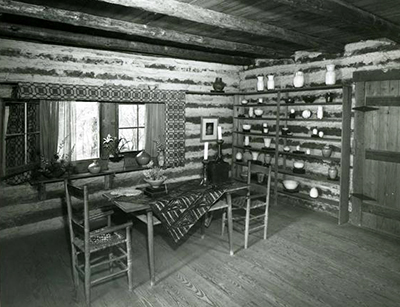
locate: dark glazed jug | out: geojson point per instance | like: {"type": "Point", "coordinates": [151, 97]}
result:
{"type": "Point", "coordinates": [143, 158]}
{"type": "Point", "coordinates": [218, 85]}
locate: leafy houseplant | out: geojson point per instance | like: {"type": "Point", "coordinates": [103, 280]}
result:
{"type": "Point", "coordinates": [113, 146]}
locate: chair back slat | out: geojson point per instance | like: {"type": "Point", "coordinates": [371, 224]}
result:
{"type": "Point", "coordinates": [75, 191]}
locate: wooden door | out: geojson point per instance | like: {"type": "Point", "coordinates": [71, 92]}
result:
{"type": "Point", "coordinates": [376, 176]}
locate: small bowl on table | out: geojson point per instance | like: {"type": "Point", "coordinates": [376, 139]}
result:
{"type": "Point", "coordinates": [290, 185]}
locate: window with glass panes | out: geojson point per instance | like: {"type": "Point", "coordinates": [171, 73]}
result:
{"type": "Point", "coordinates": [131, 126]}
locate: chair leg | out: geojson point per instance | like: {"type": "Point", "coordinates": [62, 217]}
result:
{"type": "Point", "coordinates": [247, 225]}
{"type": "Point", "coordinates": [266, 222]}
{"type": "Point", "coordinates": [203, 226]}
{"type": "Point", "coordinates": [110, 253]}
{"type": "Point", "coordinates": [129, 257]}
{"type": "Point", "coordinates": [223, 223]}
{"type": "Point", "coordinates": [87, 278]}
{"type": "Point", "coordinates": [74, 265]}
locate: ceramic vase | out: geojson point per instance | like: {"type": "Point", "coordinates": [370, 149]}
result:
{"type": "Point", "coordinates": [247, 156]}
{"type": "Point", "coordinates": [332, 172]}
{"type": "Point", "coordinates": [254, 155]}
{"type": "Point", "coordinates": [161, 158]}
{"type": "Point", "coordinates": [239, 156]}
{"type": "Point", "coordinates": [267, 158]}
{"type": "Point", "coordinates": [320, 112]}
{"type": "Point", "coordinates": [270, 82]}
{"type": "Point", "coordinates": [260, 83]}
{"type": "Point", "coordinates": [298, 80]}
{"type": "Point", "coordinates": [246, 140]}
{"type": "Point", "coordinates": [94, 168]}
{"type": "Point", "coordinates": [267, 142]}
{"type": "Point", "coordinates": [218, 85]}
{"type": "Point", "coordinates": [326, 151]}
{"type": "Point", "coordinates": [314, 193]}
{"type": "Point", "coordinates": [330, 75]}
{"type": "Point", "coordinates": [143, 158]}
{"type": "Point", "coordinates": [251, 112]}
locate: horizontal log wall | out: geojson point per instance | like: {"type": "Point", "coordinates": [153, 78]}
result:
{"type": "Point", "coordinates": [31, 62]}
{"type": "Point", "coordinates": [368, 55]}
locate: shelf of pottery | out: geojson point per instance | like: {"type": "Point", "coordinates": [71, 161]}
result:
{"type": "Point", "coordinates": [300, 131]}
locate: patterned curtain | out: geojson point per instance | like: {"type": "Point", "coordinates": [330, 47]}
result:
{"type": "Point", "coordinates": [174, 107]}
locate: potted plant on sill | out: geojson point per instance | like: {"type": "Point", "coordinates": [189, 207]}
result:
{"type": "Point", "coordinates": [113, 146]}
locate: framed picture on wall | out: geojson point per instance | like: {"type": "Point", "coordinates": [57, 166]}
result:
{"type": "Point", "coordinates": [208, 129]}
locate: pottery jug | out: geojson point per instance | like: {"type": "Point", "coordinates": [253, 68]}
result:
{"type": "Point", "coordinates": [218, 85]}
{"type": "Point", "coordinates": [260, 83]}
{"type": "Point", "coordinates": [254, 155]}
{"type": "Point", "coordinates": [314, 192]}
{"type": "Point", "coordinates": [298, 80]}
{"type": "Point", "coordinates": [94, 168]}
{"type": "Point", "coordinates": [320, 112]}
{"type": "Point", "coordinates": [251, 112]}
{"type": "Point", "coordinates": [246, 156]}
{"type": "Point", "coordinates": [267, 142]}
{"type": "Point", "coordinates": [326, 151]}
{"type": "Point", "coordinates": [239, 156]}
{"type": "Point", "coordinates": [332, 172]}
{"type": "Point", "coordinates": [143, 158]}
{"type": "Point", "coordinates": [330, 75]}
{"type": "Point", "coordinates": [246, 140]}
{"type": "Point", "coordinates": [270, 82]}
{"type": "Point", "coordinates": [267, 158]}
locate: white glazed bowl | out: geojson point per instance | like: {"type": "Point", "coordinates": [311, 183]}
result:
{"type": "Point", "coordinates": [286, 149]}
{"type": "Point", "coordinates": [298, 164]}
{"type": "Point", "coordinates": [290, 184]}
{"type": "Point", "coordinates": [244, 101]}
{"type": "Point", "coordinates": [246, 126]}
{"type": "Point", "coordinates": [258, 112]}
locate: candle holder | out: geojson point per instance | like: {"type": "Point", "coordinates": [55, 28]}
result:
{"type": "Point", "coordinates": [219, 151]}
{"type": "Point", "coordinates": [204, 181]}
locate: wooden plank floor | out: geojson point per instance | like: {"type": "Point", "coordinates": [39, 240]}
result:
{"type": "Point", "coordinates": [308, 260]}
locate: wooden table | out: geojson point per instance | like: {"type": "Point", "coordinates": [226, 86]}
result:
{"type": "Point", "coordinates": [142, 204]}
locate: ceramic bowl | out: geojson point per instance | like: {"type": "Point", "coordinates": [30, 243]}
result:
{"type": "Point", "coordinates": [306, 114]}
{"type": "Point", "coordinates": [298, 164]}
{"type": "Point", "coordinates": [245, 101]}
{"type": "Point", "coordinates": [309, 98]}
{"type": "Point", "coordinates": [286, 149]}
{"type": "Point", "coordinates": [290, 184]}
{"type": "Point", "coordinates": [258, 112]}
{"type": "Point", "coordinates": [246, 127]}
{"type": "Point", "coordinates": [288, 100]}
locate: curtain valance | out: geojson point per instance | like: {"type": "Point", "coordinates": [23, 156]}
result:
{"type": "Point", "coordinates": [174, 106]}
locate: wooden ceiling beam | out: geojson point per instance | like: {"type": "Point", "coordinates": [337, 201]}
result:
{"type": "Point", "coordinates": [213, 18]}
{"type": "Point", "coordinates": [90, 41]}
{"type": "Point", "coordinates": [349, 14]}
{"type": "Point", "coordinates": [112, 25]}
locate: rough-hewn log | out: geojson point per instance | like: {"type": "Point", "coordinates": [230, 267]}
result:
{"type": "Point", "coordinates": [82, 40]}
{"type": "Point", "coordinates": [209, 17]}
{"type": "Point", "coordinates": [347, 13]}
{"type": "Point", "coordinates": [119, 26]}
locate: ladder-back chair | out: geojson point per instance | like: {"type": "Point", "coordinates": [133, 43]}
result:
{"type": "Point", "coordinates": [252, 209]}
{"type": "Point", "coordinates": [93, 249]}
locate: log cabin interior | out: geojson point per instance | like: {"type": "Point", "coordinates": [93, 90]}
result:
{"type": "Point", "coordinates": [299, 100]}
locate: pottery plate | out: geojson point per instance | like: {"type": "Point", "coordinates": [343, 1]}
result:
{"type": "Point", "coordinates": [125, 192]}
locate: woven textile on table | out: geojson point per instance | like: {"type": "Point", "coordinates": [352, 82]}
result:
{"type": "Point", "coordinates": [174, 101]}
{"type": "Point", "coordinates": [179, 214]}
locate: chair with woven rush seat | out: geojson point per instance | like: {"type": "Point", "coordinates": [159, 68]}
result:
{"type": "Point", "coordinates": [255, 203]}
{"type": "Point", "coordinates": [109, 245]}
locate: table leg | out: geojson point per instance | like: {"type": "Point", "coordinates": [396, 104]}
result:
{"type": "Point", "coordinates": [230, 223]}
{"type": "Point", "coordinates": [150, 242]}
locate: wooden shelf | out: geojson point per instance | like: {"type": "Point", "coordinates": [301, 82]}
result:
{"type": "Point", "coordinates": [272, 150]}
{"type": "Point", "coordinates": [308, 176]}
{"type": "Point", "coordinates": [310, 138]}
{"type": "Point", "coordinates": [255, 133]}
{"type": "Point", "coordinates": [255, 118]}
{"type": "Point", "coordinates": [288, 104]}
{"type": "Point", "coordinates": [338, 120]}
{"type": "Point", "coordinates": [305, 156]}
{"type": "Point", "coordinates": [306, 197]}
